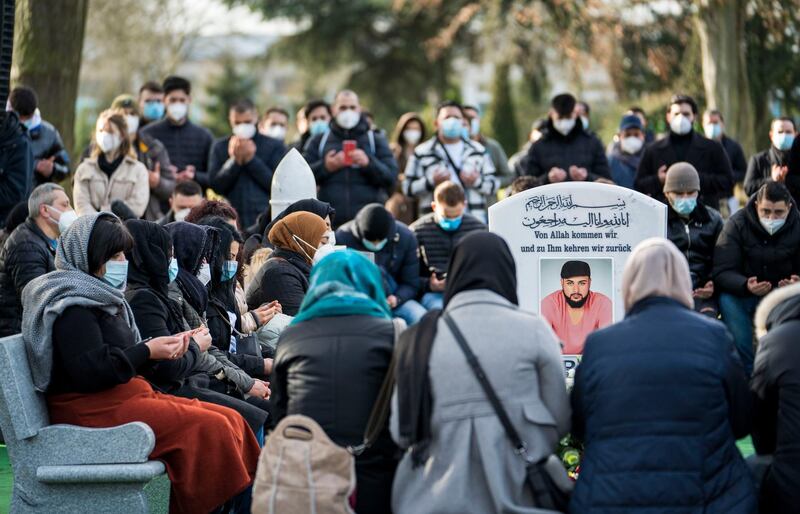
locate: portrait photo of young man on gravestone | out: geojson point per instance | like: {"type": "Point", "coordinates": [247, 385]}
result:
{"type": "Point", "coordinates": [575, 310]}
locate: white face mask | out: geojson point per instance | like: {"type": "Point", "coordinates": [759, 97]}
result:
{"type": "Point", "coordinates": [331, 237]}
{"type": "Point", "coordinates": [276, 132]}
{"type": "Point", "coordinates": [108, 142]}
{"type": "Point", "coordinates": [181, 214]}
{"type": "Point", "coordinates": [204, 274]}
{"type": "Point", "coordinates": [244, 130]}
{"type": "Point", "coordinates": [631, 145]}
{"type": "Point", "coordinates": [177, 111]}
{"type": "Point", "coordinates": [322, 252]}
{"type": "Point", "coordinates": [680, 125]}
{"type": "Point", "coordinates": [65, 219]}
{"type": "Point", "coordinates": [412, 136]}
{"type": "Point", "coordinates": [348, 119]}
{"type": "Point", "coordinates": [772, 226]}
{"type": "Point", "coordinates": [133, 124]}
{"type": "Point", "coordinates": [564, 126]}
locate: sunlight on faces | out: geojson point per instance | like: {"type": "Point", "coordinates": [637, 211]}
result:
{"type": "Point", "coordinates": [682, 108]}
{"type": "Point", "coordinates": [781, 127]}
{"type": "Point", "coordinates": [448, 112]}
{"type": "Point", "coordinates": [237, 118]}
{"type": "Point", "coordinates": [346, 100]}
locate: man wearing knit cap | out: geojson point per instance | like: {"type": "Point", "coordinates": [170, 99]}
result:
{"type": "Point", "coordinates": [694, 228]}
{"type": "Point", "coordinates": [575, 310]}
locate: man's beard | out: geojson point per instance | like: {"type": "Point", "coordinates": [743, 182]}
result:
{"type": "Point", "coordinates": [573, 303]}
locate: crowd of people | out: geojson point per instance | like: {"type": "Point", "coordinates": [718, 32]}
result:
{"type": "Point", "coordinates": [163, 290]}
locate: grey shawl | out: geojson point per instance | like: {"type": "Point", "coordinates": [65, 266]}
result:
{"type": "Point", "coordinates": [47, 296]}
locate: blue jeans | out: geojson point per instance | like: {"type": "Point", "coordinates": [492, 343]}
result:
{"type": "Point", "coordinates": [737, 313]}
{"type": "Point", "coordinates": [411, 312]}
{"type": "Point", "coordinates": [433, 301]}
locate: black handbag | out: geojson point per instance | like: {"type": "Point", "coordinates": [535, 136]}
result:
{"type": "Point", "coordinates": [246, 344]}
{"type": "Point", "coordinates": [546, 492]}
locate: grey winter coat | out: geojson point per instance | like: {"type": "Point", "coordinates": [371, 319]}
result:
{"type": "Point", "coordinates": [472, 466]}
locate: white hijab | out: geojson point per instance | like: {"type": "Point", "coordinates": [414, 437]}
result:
{"type": "Point", "coordinates": [656, 268]}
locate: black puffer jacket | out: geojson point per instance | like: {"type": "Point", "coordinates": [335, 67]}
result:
{"type": "Point", "coordinates": [776, 403]}
{"type": "Point", "coordinates": [759, 172]}
{"type": "Point", "coordinates": [16, 164]}
{"type": "Point", "coordinates": [350, 189]}
{"type": "Point", "coordinates": [578, 148]}
{"type": "Point", "coordinates": [696, 237]}
{"type": "Point", "coordinates": [26, 255]}
{"type": "Point", "coordinates": [436, 244]}
{"type": "Point", "coordinates": [744, 249]}
{"type": "Point", "coordinates": [284, 277]}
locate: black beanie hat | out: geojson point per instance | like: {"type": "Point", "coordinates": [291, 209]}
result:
{"type": "Point", "coordinates": [374, 222]}
{"type": "Point", "coordinates": [575, 269]}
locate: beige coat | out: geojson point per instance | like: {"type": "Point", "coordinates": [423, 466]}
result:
{"type": "Point", "coordinates": [93, 191]}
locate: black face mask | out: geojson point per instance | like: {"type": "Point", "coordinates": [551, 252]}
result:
{"type": "Point", "coordinates": [575, 304]}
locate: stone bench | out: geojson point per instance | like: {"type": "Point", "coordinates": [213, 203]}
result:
{"type": "Point", "coordinates": [66, 468]}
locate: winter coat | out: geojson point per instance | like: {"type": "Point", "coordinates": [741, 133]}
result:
{"type": "Point", "coordinates": [331, 369]}
{"type": "Point", "coordinates": [623, 165]}
{"type": "Point", "coordinates": [707, 156]}
{"type": "Point", "coordinates": [578, 148]}
{"type": "Point", "coordinates": [776, 408]}
{"type": "Point", "coordinates": [436, 244]}
{"type": "Point", "coordinates": [246, 186]}
{"type": "Point", "coordinates": [397, 260]}
{"type": "Point", "coordinates": [45, 143]}
{"type": "Point", "coordinates": [736, 156]}
{"type": "Point", "coordinates": [284, 277]}
{"type": "Point", "coordinates": [696, 237]}
{"type": "Point", "coordinates": [744, 249]}
{"type": "Point", "coordinates": [16, 164]}
{"type": "Point", "coordinates": [472, 466]}
{"type": "Point", "coordinates": [187, 144]}
{"type": "Point", "coordinates": [759, 172]}
{"type": "Point", "coordinates": [431, 156]}
{"type": "Point", "coordinates": [659, 401]}
{"type": "Point", "coordinates": [93, 191]}
{"type": "Point", "coordinates": [150, 152]}
{"type": "Point", "coordinates": [351, 188]}
{"type": "Point", "coordinates": [27, 254]}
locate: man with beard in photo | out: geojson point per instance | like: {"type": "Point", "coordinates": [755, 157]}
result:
{"type": "Point", "coordinates": [575, 310]}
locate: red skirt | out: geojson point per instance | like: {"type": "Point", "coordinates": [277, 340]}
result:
{"type": "Point", "coordinates": [209, 451]}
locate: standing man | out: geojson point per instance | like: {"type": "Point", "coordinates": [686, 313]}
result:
{"type": "Point", "coordinates": [50, 158]}
{"type": "Point", "coordinates": [187, 144]}
{"type": "Point", "coordinates": [685, 145]}
{"type": "Point", "coordinates": [567, 152]}
{"type": "Point", "coordinates": [448, 156]}
{"type": "Point", "coordinates": [626, 151]}
{"type": "Point", "coordinates": [714, 128]}
{"type": "Point", "coordinates": [242, 164]}
{"type": "Point", "coordinates": [16, 163]}
{"type": "Point", "coordinates": [353, 165]}
{"type": "Point", "coordinates": [30, 250]}
{"type": "Point", "coordinates": [757, 251]}
{"type": "Point", "coordinates": [496, 152]}
{"type": "Point", "coordinates": [275, 123]}
{"type": "Point", "coordinates": [773, 164]}
{"type": "Point", "coordinates": [575, 310]}
{"type": "Point", "coordinates": [151, 102]}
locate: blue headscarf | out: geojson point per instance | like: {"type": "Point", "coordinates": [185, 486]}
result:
{"type": "Point", "coordinates": [344, 284]}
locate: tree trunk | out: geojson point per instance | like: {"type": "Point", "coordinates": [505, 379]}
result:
{"type": "Point", "coordinates": [48, 41]}
{"type": "Point", "coordinates": [720, 24]}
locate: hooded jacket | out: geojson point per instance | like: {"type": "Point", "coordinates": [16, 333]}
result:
{"type": "Point", "coordinates": [745, 249]}
{"type": "Point", "coordinates": [776, 413]}
{"type": "Point", "coordinates": [16, 164]}
{"type": "Point", "coordinates": [351, 188]}
{"type": "Point", "coordinates": [696, 237]}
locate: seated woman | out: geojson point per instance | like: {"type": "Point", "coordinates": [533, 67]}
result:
{"type": "Point", "coordinates": [85, 352]}
{"type": "Point", "coordinates": [660, 399]}
{"type": "Point", "coordinates": [151, 268]}
{"type": "Point", "coordinates": [460, 458]}
{"type": "Point", "coordinates": [343, 330]}
{"type": "Point", "coordinates": [284, 277]}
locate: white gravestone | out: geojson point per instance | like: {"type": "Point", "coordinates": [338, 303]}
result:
{"type": "Point", "coordinates": [577, 228]}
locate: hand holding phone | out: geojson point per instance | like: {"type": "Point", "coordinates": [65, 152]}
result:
{"type": "Point", "coordinates": [348, 145]}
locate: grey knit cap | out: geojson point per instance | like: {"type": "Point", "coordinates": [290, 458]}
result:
{"type": "Point", "coordinates": [682, 177]}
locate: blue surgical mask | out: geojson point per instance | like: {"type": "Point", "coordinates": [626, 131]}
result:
{"type": "Point", "coordinates": [173, 269]}
{"type": "Point", "coordinates": [153, 110]}
{"type": "Point", "coordinates": [452, 127]}
{"type": "Point", "coordinates": [449, 224]}
{"type": "Point", "coordinates": [474, 126]}
{"type": "Point", "coordinates": [116, 274]}
{"type": "Point", "coordinates": [318, 127]}
{"type": "Point", "coordinates": [374, 247]}
{"type": "Point", "coordinates": [772, 226]}
{"type": "Point", "coordinates": [783, 141]}
{"type": "Point", "coordinates": [229, 270]}
{"type": "Point", "coordinates": [684, 206]}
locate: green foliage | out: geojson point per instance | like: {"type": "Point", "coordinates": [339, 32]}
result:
{"type": "Point", "coordinates": [229, 86]}
{"type": "Point", "coordinates": [501, 113]}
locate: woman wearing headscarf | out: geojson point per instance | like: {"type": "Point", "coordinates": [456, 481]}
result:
{"type": "Point", "coordinates": [151, 269]}
{"type": "Point", "coordinates": [459, 458]}
{"type": "Point", "coordinates": [343, 330]}
{"type": "Point", "coordinates": [85, 353]}
{"type": "Point", "coordinates": [285, 275]}
{"type": "Point", "coordinates": [659, 401]}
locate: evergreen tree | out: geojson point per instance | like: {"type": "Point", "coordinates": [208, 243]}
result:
{"type": "Point", "coordinates": [501, 115]}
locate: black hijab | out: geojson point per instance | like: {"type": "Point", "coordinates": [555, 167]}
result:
{"type": "Point", "coordinates": [482, 260]}
{"type": "Point", "coordinates": [148, 266]}
{"type": "Point", "coordinates": [192, 243]}
{"type": "Point", "coordinates": [222, 294]}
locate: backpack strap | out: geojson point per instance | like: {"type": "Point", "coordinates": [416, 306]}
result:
{"type": "Point", "coordinates": [371, 137]}
{"type": "Point", "coordinates": [322, 141]}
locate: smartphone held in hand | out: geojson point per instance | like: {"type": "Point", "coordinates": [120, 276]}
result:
{"type": "Point", "coordinates": [348, 145]}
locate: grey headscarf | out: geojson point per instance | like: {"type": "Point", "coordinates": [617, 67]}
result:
{"type": "Point", "coordinates": [47, 296]}
{"type": "Point", "coordinates": [656, 268]}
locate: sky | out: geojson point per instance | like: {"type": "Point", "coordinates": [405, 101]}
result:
{"type": "Point", "coordinates": [236, 20]}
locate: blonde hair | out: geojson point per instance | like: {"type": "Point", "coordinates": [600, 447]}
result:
{"type": "Point", "coordinates": [117, 118]}
{"type": "Point", "coordinates": [257, 261]}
